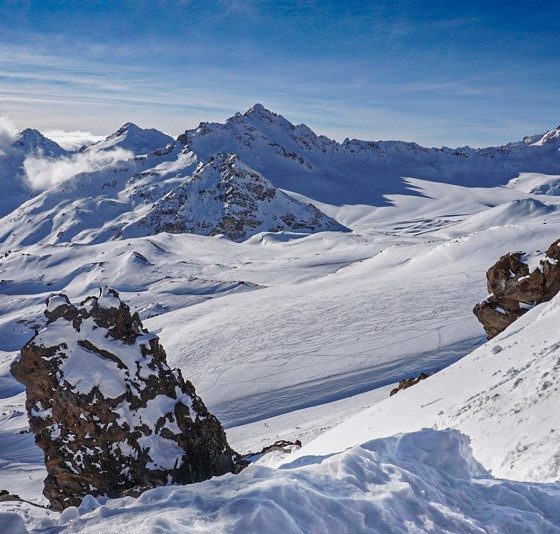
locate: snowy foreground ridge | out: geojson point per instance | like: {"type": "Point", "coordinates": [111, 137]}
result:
{"type": "Point", "coordinates": [295, 280]}
{"type": "Point", "coordinates": [425, 481]}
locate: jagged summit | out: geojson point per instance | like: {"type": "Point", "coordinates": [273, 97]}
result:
{"type": "Point", "coordinates": [225, 196]}
{"type": "Point", "coordinates": [259, 109]}
{"type": "Point", "coordinates": [129, 127]}
{"type": "Point", "coordinates": [548, 137]}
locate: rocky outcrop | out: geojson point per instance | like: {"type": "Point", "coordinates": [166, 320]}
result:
{"type": "Point", "coordinates": [109, 413]}
{"type": "Point", "coordinates": [513, 289]}
{"type": "Point", "coordinates": [408, 382]}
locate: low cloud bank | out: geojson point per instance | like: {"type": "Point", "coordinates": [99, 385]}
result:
{"type": "Point", "coordinates": [42, 173]}
{"type": "Point", "coordinates": [72, 140]}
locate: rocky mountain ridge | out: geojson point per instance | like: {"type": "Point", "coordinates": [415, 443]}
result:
{"type": "Point", "coordinates": [225, 196]}
{"type": "Point", "coordinates": [112, 199]}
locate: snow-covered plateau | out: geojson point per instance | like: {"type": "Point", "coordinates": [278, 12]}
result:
{"type": "Point", "coordinates": [294, 280]}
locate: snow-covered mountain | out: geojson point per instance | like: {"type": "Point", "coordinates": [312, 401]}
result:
{"type": "Point", "coordinates": [357, 172]}
{"type": "Point", "coordinates": [32, 142]}
{"type": "Point", "coordinates": [132, 137]}
{"type": "Point", "coordinates": [16, 189]}
{"type": "Point", "coordinates": [301, 333]}
{"type": "Point", "coordinates": [118, 180]}
{"type": "Point", "coordinates": [225, 196]}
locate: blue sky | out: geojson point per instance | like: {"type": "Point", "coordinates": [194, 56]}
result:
{"type": "Point", "coordinates": [436, 72]}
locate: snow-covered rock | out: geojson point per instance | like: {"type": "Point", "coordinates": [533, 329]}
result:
{"type": "Point", "coordinates": [227, 197]}
{"type": "Point", "coordinates": [107, 410]}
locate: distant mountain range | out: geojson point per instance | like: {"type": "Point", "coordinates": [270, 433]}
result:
{"type": "Point", "coordinates": [230, 179]}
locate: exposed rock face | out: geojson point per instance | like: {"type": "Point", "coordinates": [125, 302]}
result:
{"type": "Point", "coordinates": [107, 410]}
{"type": "Point", "coordinates": [408, 382]}
{"type": "Point", "coordinates": [225, 196]}
{"type": "Point", "coordinates": [514, 289]}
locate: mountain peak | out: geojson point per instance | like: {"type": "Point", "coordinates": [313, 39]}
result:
{"type": "Point", "coordinates": [547, 137]}
{"type": "Point", "coordinates": [30, 134]}
{"type": "Point", "coordinates": [132, 137]}
{"type": "Point", "coordinates": [226, 196]}
{"type": "Point", "coordinates": [31, 140]}
{"type": "Point", "coordinates": [128, 127]}
{"type": "Point", "coordinates": [259, 109]}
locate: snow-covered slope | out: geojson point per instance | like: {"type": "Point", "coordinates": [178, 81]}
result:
{"type": "Point", "coordinates": [132, 137]}
{"type": "Point", "coordinates": [95, 205]}
{"type": "Point", "coordinates": [536, 183]}
{"type": "Point", "coordinates": [508, 213]}
{"type": "Point", "coordinates": [422, 482]}
{"type": "Point", "coordinates": [504, 396]}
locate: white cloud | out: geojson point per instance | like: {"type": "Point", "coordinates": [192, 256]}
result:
{"type": "Point", "coordinates": [8, 133]}
{"type": "Point", "coordinates": [72, 140]}
{"type": "Point", "coordinates": [42, 173]}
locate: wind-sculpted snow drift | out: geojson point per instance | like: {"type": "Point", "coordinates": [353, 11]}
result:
{"type": "Point", "coordinates": [426, 481]}
{"type": "Point", "coordinates": [108, 412]}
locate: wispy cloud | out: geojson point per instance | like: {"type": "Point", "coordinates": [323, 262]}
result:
{"type": "Point", "coordinates": [241, 7]}
{"type": "Point", "coordinates": [8, 133]}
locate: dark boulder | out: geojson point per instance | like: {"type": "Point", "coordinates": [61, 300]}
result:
{"type": "Point", "coordinates": [408, 382]}
{"type": "Point", "coordinates": [109, 413]}
{"type": "Point", "coordinates": [513, 289]}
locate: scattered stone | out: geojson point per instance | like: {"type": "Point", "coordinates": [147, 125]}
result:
{"type": "Point", "coordinates": [408, 382]}
{"type": "Point", "coordinates": [282, 445]}
{"type": "Point", "coordinates": [7, 496]}
{"type": "Point", "coordinates": [109, 413]}
{"type": "Point", "coordinates": [513, 290]}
